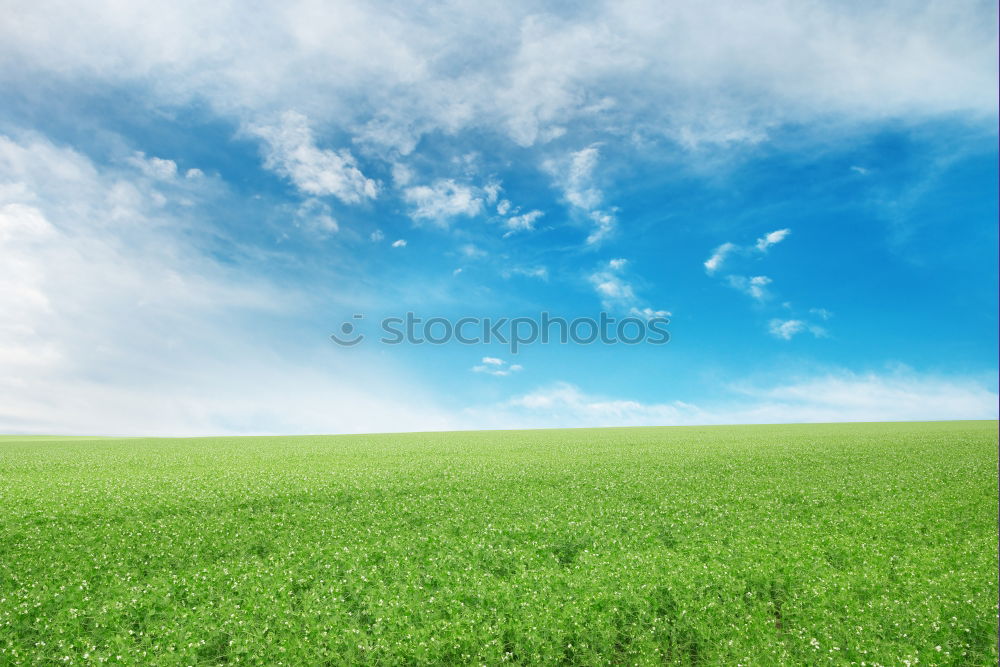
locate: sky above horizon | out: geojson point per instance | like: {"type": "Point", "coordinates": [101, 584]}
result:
{"type": "Point", "coordinates": [194, 197]}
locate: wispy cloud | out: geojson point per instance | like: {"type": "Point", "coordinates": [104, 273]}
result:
{"type": "Point", "coordinates": [315, 216]}
{"type": "Point", "coordinates": [119, 319]}
{"type": "Point", "coordinates": [837, 396]}
{"type": "Point", "coordinates": [443, 200]}
{"type": "Point", "coordinates": [539, 272]}
{"type": "Point", "coordinates": [291, 151]}
{"type": "Point", "coordinates": [753, 286]}
{"type": "Point", "coordinates": [772, 238]}
{"type": "Point", "coordinates": [617, 293]}
{"type": "Point", "coordinates": [719, 82]}
{"type": "Point", "coordinates": [496, 367]}
{"type": "Point", "coordinates": [471, 251]}
{"type": "Point", "coordinates": [722, 252]}
{"type": "Point", "coordinates": [788, 329]}
{"type": "Point", "coordinates": [159, 168]}
{"type": "Point", "coordinates": [574, 176]}
{"type": "Point", "coordinates": [714, 263]}
{"type": "Point", "coordinates": [522, 223]}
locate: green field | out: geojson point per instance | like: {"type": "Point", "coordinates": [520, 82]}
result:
{"type": "Point", "coordinates": [866, 544]}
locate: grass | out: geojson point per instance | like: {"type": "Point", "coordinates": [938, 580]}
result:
{"type": "Point", "coordinates": [866, 544]}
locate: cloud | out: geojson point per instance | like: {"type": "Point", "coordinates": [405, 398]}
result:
{"type": "Point", "coordinates": [496, 367]}
{"type": "Point", "coordinates": [753, 286]}
{"type": "Point", "coordinates": [443, 200]}
{"type": "Point", "coordinates": [578, 186]}
{"type": "Point", "coordinates": [291, 152]}
{"type": "Point", "coordinates": [714, 263]}
{"type": "Point", "coordinates": [573, 175]}
{"type": "Point", "coordinates": [119, 319]}
{"type": "Point", "coordinates": [492, 192]}
{"type": "Point", "coordinates": [771, 239]}
{"type": "Point", "coordinates": [314, 216]}
{"type": "Point", "coordinates": [872, 397]}
{"type": "Point", "coordinates": [617, 293]}
{"type": "Point", "coordinates": [401, 175]}
{"type": "Point", "coordinates": [788, 329]}
{"type": "Point", "coordinates": [731, 73]}
{"type": "Point", "coordinates": [376, 236]}
{"type": "Point", "coordinates": [399, 243]}
{"type": "Point", "coordinates": [611, 286]}
{"type": "Point", "coordinates": [471, 251]}
{"type": "Point", "coordinates": [719, 255]}
{"type": "Point", "coordinates": [158, 168]}
{"type": "Point", "coordinates": [834, 397]}
{"type": "Point", "coordinates": [539, 272]}
{"type": "Point", "coordinates": [522, 223]}
{"type": "Point", "coordinates": [649, 313]}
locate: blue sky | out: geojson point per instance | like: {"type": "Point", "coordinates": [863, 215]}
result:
{"type": "Point", "coordinates": [192, 199]}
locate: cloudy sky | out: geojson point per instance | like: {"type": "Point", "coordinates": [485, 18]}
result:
{"type": "Point", "coordinates": [194, 196]}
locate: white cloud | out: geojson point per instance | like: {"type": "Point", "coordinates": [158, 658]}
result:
{"type": "Point", "coordinates": [522, 223]}
{"type": "Point", "coordinates": [291, 151]}
{"type": "Point", "coordinates": [617, 293]}
{"type": "Point", "coordinates": [471, 251]}
{"type": "Point", "coordinates": [314, 216]}
{"type": "Point", "coordinates": [443, 200]}
{"type": "Point", "coordinates": [612, 288]}
{"type": "Point", "coordinates": [573, 175]}
{"type": "Point", "coordinates": [771, 239]}
{"type": "Point", "coordinates": [155, 167]}
{"type": "Point", "coordinates": [401, 175]}
{"type": "Point", "coordinates": [719, 255]}
{"type": "Point", "coordinates": [788, 329]}
{"type": "Point", "coordinates": [604, 226]}
{"type": "Point", "coordinates": [503, 206]}
{"type": "Point", "coordinates": [117, 319]}
{"type": "Point", "coordinates": [578, 185]}
{"type": "Point", "coordinates": [492, 192]}
{"type": "Point", "coordinates": [399, 243]}
{"type": "Point", "coordinates": [713, 263]}
{"type": "Point", "coordinates": [834, 397]}
{"type": "Point", "coordinates": [649, 313]}
{"type": "Point", "coordinates": [539, 272]}
{"type": "Point", "coordinates": [873, 397]}
{"type": "Point", "coordinates": [496, 367]}
{"type": "Point", "coordinates": [377, 236]}
{"type": "Point", "coordinates": [754, 286]}
{"type": "Point", "coordinates": [730, 74]}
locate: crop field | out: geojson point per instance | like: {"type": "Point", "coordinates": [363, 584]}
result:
{"type": "Point", "coordinates": [864, 544]}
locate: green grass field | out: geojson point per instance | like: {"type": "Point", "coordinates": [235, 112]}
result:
{"type": "Point", "coordinates": [865, 544]}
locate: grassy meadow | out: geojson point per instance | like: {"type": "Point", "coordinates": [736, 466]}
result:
{"type": "Point", "coordinates": [863, 544]}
